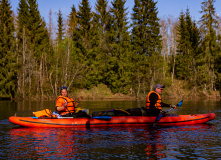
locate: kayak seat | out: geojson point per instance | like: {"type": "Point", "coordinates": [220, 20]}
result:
{"type": "Point", "coordinates": [171, 115]}
{"type": "Point", "coordinates": [113, 112]}
{"type": "Point", "coordinates": [76, 115]}
{"type": "Point", "coordinates": [138, 111]}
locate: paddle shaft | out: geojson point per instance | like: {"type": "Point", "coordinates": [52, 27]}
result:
{"type": "Point", "coordinates": [163, 114]}
{"type": "Point", "coordinates": [98, 117]}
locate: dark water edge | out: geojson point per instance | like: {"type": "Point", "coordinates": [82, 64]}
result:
{"type": "Point", "coordinates": [201, 141]}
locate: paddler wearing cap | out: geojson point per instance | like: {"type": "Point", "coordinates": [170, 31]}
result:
{"type": "Point", "coordinates": [154, 101]}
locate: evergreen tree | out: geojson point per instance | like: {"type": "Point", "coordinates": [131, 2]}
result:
{"type": "Point", "coordinates": [74, 32]}
{"type": "Point", "coordinates": [39, 42]}
{"type": "Point", "coordinates": [60, 33]}
{"type": "Point", "coordinates": [8, 64]}
{"type": "Point", "coordinates": [33, 42]}
{"type": "Point", "coordinates": [22, 36]}
{"type": "Point", "coordinates": [36, 27]}
{"type": "Point", "coordinates": [184, 50]}
{"type": "Point", "coordinates": [118, 73]}
{"type": "Point", "coordinates": [207, 57]}
{"type": "Point", "coordinates": [73, 24]}
{"type": "Point", "coordinates": [86, 54]}
{"type": "Point", "coordinates": [187, 49]}
{"type": "Point", "coordinates": [102, 14]}
{"type": "Point", "coordinates": [146, 41]}
{"type": "Point", "coordinates": [22, 20]}
{"type": "Point", "coordinates": [84, 19]}
{"type": "Point", "coordinates": [100, 21]}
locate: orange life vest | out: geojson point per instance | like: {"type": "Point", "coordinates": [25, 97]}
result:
{"type": "Point", "coordinates": [158, 103]}
{"type": "Point", "coordinates": [70, 108]}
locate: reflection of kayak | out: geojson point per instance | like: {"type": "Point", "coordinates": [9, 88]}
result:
{"type": "Point", "coordinates": [168, 120]}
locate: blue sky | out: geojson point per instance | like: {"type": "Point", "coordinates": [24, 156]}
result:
{"type": "Point", "coordinates": [165, 7]}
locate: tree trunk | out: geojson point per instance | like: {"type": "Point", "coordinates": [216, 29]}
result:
{"type": "Point", "coordinates": [23, 62]}
{"type": "Point", "coordinates": [41, 75]}
{"type": "Point", "coordinates": [138, 90]}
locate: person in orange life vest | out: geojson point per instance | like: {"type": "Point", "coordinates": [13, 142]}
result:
{"type": "Point", "coordinates": [64, 104]}
{"type": "Point", "coordinates": [154, 101]}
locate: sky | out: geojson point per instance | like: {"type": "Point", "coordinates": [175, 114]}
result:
{"type": "Point", "coordinates": [165, 7]}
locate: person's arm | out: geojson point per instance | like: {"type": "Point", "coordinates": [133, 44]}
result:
{"type": "Point", "coordinates": [165, 105]}
{"type": "Point", "coordinates": [168, 105]}
{"type": "Point", "coordinates": [79, 99]}
{"type": "Point", "coordinates": [61, 105]}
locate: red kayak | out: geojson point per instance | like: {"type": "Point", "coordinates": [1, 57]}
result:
{"type": "Point", "coordinates": [168, 120]}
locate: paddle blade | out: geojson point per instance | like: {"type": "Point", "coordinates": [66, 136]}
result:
{"type": "Point", "coordinates": [158, 118]}
{"type": "Point", "coordinates": [107, 118]}
{"type": "Point", "coordinates": [180, 103]}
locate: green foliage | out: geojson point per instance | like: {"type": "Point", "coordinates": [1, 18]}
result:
{"type": "Point", "coordinates": [187, 48]}
{"type": "Point", "coordinates": [146, 42]}
{"type": "Point", "coordinates": [210, 46]}
{"type": "Point", "coordinates": [60, 33]}
{"type": "Point", "coordinates": [8, 65]}
{"type": "Point", "coordinates": [118, 69]}
{"type": "Point", "coordinates": [84, 18]}
{"type": "Point", "coordinates": [33, 46]}
{"type": "Point", "coordinates": [101, 48]}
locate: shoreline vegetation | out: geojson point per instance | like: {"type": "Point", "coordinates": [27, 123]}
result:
{"type": "Point", "coordinates": [104, 54]}
{"type": "Point", "coordinates": [102, 92]}
{"type": "Point", "coordinates": [171, 92]}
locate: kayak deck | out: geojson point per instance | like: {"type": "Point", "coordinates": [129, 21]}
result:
{"type": "Point", "coordinates": [111, 120]}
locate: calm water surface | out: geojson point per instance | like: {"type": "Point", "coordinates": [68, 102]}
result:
{"type": "Point", "coordinates": [141, 142]}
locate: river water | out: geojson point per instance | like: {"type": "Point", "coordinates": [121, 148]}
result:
{"type": "Point", "coordinates": [201, 141]}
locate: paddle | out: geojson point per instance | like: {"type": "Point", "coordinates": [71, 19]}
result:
{"type": "Point", "coordinates": [164, 113]}
{"type": "Point", "coordinates": [107, 118]}
{"type": "Point", "coordinates": [98, 117]}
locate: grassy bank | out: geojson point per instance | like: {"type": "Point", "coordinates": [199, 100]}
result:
{"type": "Point", "coordinates": [179, 90]}
{"type": "Point", "coordinates": [176, 91]}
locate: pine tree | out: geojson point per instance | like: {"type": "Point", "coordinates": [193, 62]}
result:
{"type": "Point", "coordinates": [22, 20]}
{"type": "Point", "coordinates": [8, 64]}
{"type": "Point", "coordinates": [22, 36]}
{"type": "Point", "coordinates": [75, 33]}
{"type": "Point", "coordinates": [102, 16]}
{"type": "Point", "coordinates": [207, 57]}
{"type": "Point", "coordinates": [184, 50]}
{"type": "Point", "coordinates": [146, 41]}
{"type": "Point", "coordinates": [36, 28]}
{"type": "Point", "coordinates": [99, 25]}
{"type": "Point", "coordinates": [73, 24]}
{"type": "Point", "coordinates": [33, 45]}
{"type": "Point", "coordinates": [60, 33]}
{"type": "Point", "coordinates": [117, 75]}
{"type": "Point", "coordinates": [84, 19]}
{"type": "Point", "coordinates": [187, 49]}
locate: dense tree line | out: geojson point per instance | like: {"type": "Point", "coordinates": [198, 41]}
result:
{"type": "Point", "coordinates": [106, 47]}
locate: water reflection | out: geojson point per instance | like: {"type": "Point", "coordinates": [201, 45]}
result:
{"type": "Point", "coordinates": [107, 143]}
{"type": "Point", "coordinates": [141, 142]}
{"type": "Point", "coordinates": [44, 142]}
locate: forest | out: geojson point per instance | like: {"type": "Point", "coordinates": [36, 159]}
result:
{"type": "Point", "coordinates": [105, 47]}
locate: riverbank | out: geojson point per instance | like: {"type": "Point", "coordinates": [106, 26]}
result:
{"type": "Point", "coordinates": [170, 92]}
{"type": "Point", "coordinates": [176, 91]}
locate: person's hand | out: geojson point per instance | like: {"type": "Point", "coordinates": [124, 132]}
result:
{"type": "Point", "coordinates": [65, 104]}
{"type": "Point", "coordinates": [80, 98]}
{"type": "Point", "coordinates": [173, 106]}
{"type": "Point", "coordinates": [162, 112]}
